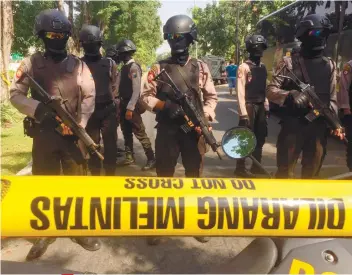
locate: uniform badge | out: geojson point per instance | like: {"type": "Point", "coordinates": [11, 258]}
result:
{"type": "Point", "coordinates": [249, 77]}
{"type": "Point", "coordinates": [19, 71]}
{"type": "Point", "coordinates": [288, 54]}
{"type": "Point", "coordinates": [346, 69]}
{"type": "Point", "coordinates": [133, 74]}
{"type": "Point", "coordinates": [152, 73]}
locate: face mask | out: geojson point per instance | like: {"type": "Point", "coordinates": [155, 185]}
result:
{"type": "Point", "coordinates": [92, 49]}
{"type": "Point", "coordinates": [178, 43]}
{"type": "Point", "coordinates": [256, 51]}
{"type": "Point", "coordinates": [55, 45]}
{"type": "Point", "coordinates": [124, 57]}
{"type": "Point", "coordinates": [313, 43]}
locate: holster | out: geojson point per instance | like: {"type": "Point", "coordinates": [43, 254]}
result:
{"type": "Point", "coordinates": [30, 127]}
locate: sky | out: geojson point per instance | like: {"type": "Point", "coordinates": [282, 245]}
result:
{"type": "Point", "coordinates": [171, 7]}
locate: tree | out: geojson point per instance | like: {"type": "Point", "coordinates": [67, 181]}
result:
{"type": "Point", "coordinates": [216, 24]}
{"type": "Point", "coordinates": [6, 38]}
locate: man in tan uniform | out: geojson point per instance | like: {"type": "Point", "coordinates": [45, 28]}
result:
{"type": "Point", "coordinates": [253, 106]}
{"type": "Point", "coordinates": [344, 101]}
{"type": "Point", "coordinates": [61, 75]}
{"type": "Point", "coordinates": [193, 77]}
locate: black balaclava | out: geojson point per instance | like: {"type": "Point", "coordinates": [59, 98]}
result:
{"type": "Point", "coordinates": [56, 48]}
{"type": "Point", "coordinates": [125, 57]}
{"type": "Point", "coordinates": [179, 49]}
{"type": "Point", "coordinates": [92, 51]}
{"type": "Point", "coordinates": [313, 43]}
{"type": "Point", "coordinates": [256, 53]}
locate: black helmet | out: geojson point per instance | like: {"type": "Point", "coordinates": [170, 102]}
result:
{"type": "Point", "coordinates": [181, 24]}
{"type": "Point", "coordinates": [125, 45]}
{"type": "Point", "coordinates": [254, 40]}
{"type": "Point", "coordinates": [313, 22]}
{"type": "Point", "coordinates": [111, 51]}
{"type": "Point", "coordinates": [90, 33]}
{"type": "Point", "coordinates": [52, 21]}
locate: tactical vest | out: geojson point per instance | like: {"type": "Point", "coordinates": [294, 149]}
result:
{"type": "Point", "coordinates": [164, 92]}
{"type": "Point", "coordinates": [125, 88]}
{"type": "Point", "coordinates": [59, 79]}
{"type": "Point", "coordinates": [101, 71]}
{"type": "Point", "coordinates": [256, 83]}
{"type": "Point", "coordinates": [316, 73]}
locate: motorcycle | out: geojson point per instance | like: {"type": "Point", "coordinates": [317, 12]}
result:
{"type": "Point", "coordinates": [283, 255]}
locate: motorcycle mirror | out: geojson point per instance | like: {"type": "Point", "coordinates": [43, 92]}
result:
{"type": "Point", "coordinates": [238, 142]}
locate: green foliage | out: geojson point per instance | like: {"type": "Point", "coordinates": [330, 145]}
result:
{"type": "Point", "coordinates": [9, 114]}
{"type": "Point", "coordinates": [135, 20]}
{"type": "Point", "coordinates": [24, 16]}
{"type": "Point", "coordinates": [216, 24]}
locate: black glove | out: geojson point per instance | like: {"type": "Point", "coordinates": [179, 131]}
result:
{"type": "Point", "coordinates": [244, 122]}
{"type": "Point", "coordinates": [298, 99]}
{"type": "Point", "coordinates": [45, 116]}
{"type": "Point", "coordinates": [174, 110]}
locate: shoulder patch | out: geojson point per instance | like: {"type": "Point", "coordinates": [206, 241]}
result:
{"type": "Point", "coordinates": [20, 70]}
{"type": "Point", "coordinates": [346, 69]}
{"type": "Point", "coordinates": [152, 73]}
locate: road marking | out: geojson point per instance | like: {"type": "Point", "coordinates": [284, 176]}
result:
{"type": "Point", "coordinates": [233, 110]}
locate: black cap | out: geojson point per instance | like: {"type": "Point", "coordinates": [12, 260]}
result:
{"type": "Point", "coordinates": [181, 24]}
{"type": "Point", "coordinates": [52, 21]}
{"type": "Point", "coordinates": [90, 33]}
{"type": "Point", "coordinates": [125, 45]}
{"type": "Point", "coordinates": [313, 22]}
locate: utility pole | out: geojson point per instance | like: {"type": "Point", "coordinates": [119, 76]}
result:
{"type": "Point", "coordinates": [237, 50]}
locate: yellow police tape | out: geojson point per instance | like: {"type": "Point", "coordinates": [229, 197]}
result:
{"type": "Point", "coordinates": [135, 206]}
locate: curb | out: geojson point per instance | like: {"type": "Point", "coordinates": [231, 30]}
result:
{"type": "Point", "coordinates": [26, 171]}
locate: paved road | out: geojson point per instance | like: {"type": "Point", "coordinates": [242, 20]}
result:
{"type": "Point", "coordinates": [177, 255]}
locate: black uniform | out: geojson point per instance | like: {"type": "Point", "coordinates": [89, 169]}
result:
{"type": "Point", "coordinates": [129, 88]}
{"type": "Point", "coordinates": [253, 106]}
{"type": "Point", "coordinates": [297, 134]}
{"type": "Point", "coordinates": [104, 118]}
{"type": "Point", "coordinates": [60, 75]}
{"type": "Point", "coordinates": [193, 77]}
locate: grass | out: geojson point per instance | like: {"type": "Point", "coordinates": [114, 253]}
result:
{"type": "Point", "coordinates": [15, 147]}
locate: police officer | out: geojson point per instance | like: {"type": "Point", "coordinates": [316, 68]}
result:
{"type": "Point", "coordinates": [62, 75]}
{"type": "Point", "coordinates": [253, 106]}
{"type": "Point", "coordinates": [344, 100]}
{"type": "Point", "coordinates": [193, 77]}
{"type": "Point", "coordinates": [131, 108]}
{"type": "Point", "coordinates": [310, 66]}
{"type": "Point", "coordinates": [104, 73]}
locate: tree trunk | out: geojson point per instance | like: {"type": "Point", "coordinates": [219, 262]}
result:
{"type": "Point", "coordinates": [84, 10]}
{"type": "Point", "coordinates": [60, 5]}
{"type": "Point", "coordinates": [73, 48]}
{"type": "Point", "coordinates": [6, 38]}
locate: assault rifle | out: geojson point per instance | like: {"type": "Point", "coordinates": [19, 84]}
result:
{"type": "Point", "coordinates": [55, 103]}
{"type": "Point", "coordinates": [318, 107]}
{"type": "Point", "coordinates": [192, 116]}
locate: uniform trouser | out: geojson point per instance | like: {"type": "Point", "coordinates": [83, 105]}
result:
{"type": "Point", "coordinates": [298, 136]}
{"type": "Point", "coordinates": [347, 122]}
{"type": "Point", "coordinates": [51, 151]}
{"type": "Point", "coordinates": [104, 121]}
{"type": "Point", "coordinates": [134, 126]}
{"type": "Point", "coordinates": [258, 124]}
{"type": "Point", "coordinates": [169, 143]}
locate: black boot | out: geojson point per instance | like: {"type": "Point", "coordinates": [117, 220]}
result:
{"type": "Point", "coordinates": [90, 244]}
{"type": "Point", "coordinates": [202, 239]}
{"type": "Point", "coordinates": [39, 248]}
{"type": "Point", "coordinates": [120, 152]}
{"type": "Point", "coordinates": [129, 159]}
{"type": "Point", "coordinates": [150, 165]}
